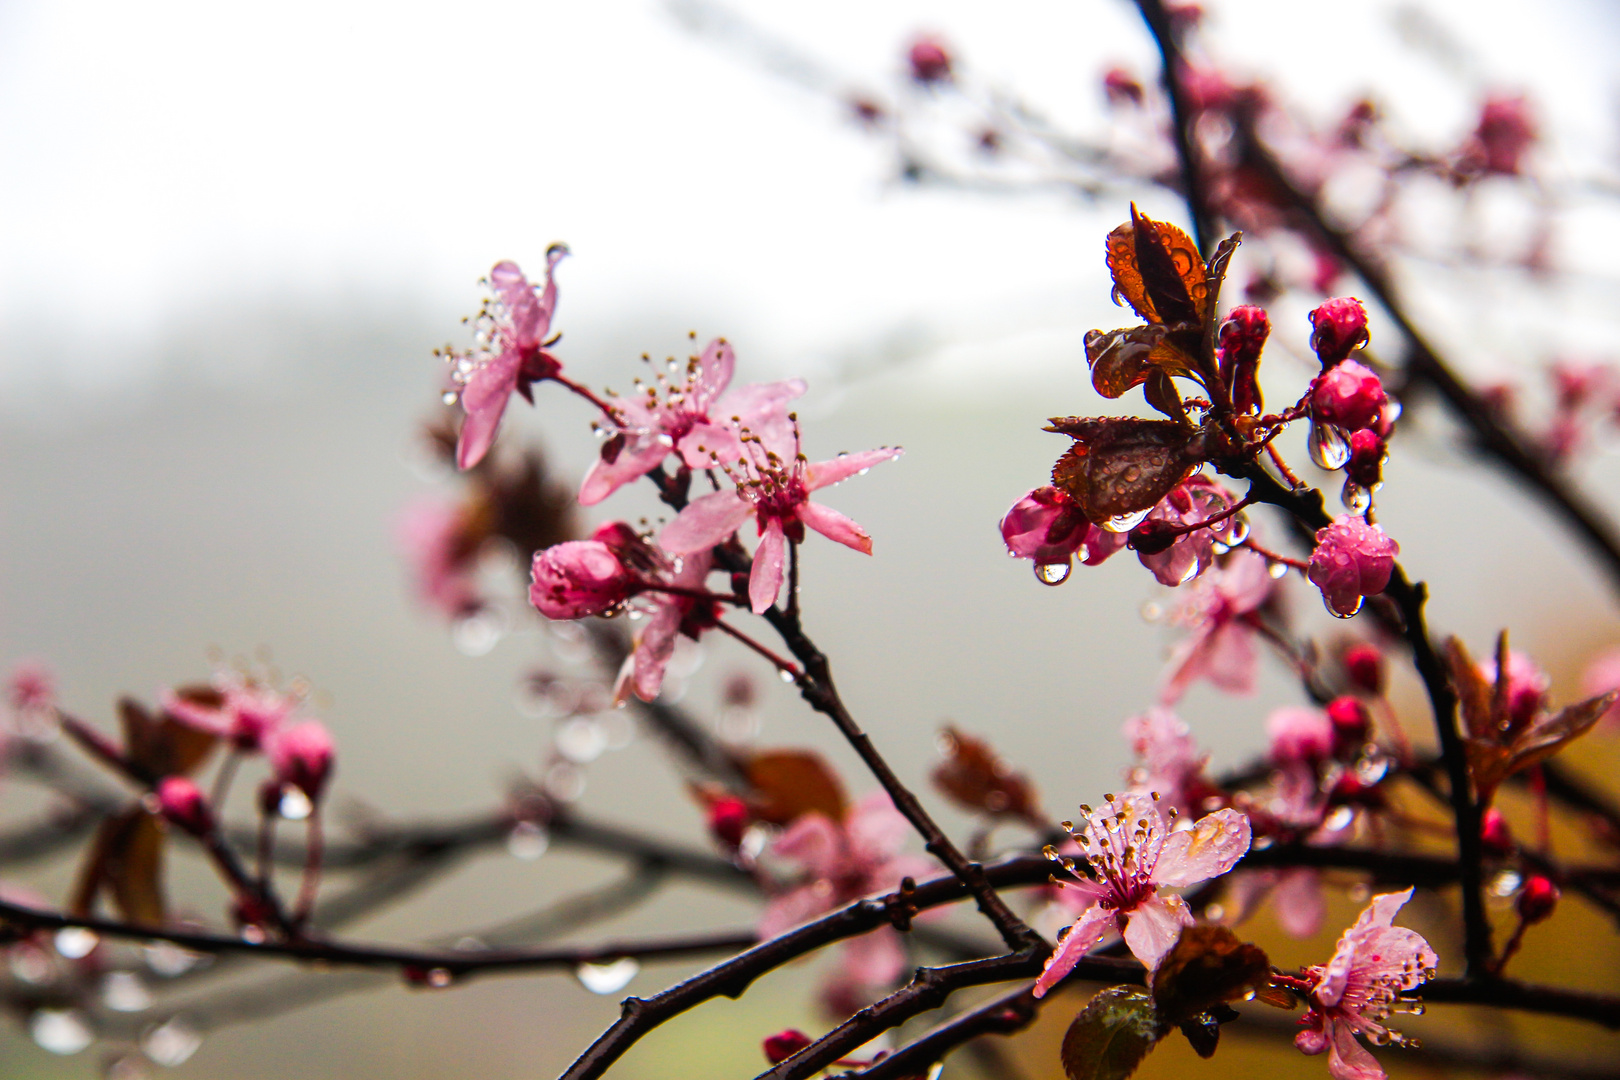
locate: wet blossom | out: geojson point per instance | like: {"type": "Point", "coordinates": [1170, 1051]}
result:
{"type": "Point", "coordinates": [1351, 722]}
{"type": "Point", "coordinates": [578, 578]}
{"type": "Point", "coordinates": [1134, 853]}
{"type": "Point", "coordinates": [1299, 734]}
{"type": "Point", "coordinates": [184, 804]}
{"type": "Point", "coordinates": [1048, 526]}
{"type": "Point", "coordinates": [1506, 132]}
{"type": "Point", "coordinates": [1243, 335]}
{"type": "Point", "coordinates": [235, 708]}
{"type": "Point", "coordinates": [1338, 328]}
{"type": "Point", "coordinates": [930, 60]}
{"type": "Point", "coordinates": [301, 756]}
{"type": "Point", "coordinates": [1367, 452]}
{"type": "Point", "coordinates": [441, 546]}
{"type": "Point", "coordinates": [1220, 612]}
{"type": "Point", "coordinates": [696, 418]}
{"type": "Point", "coordinates": [1374, 963]}
{"type": "Point", "coordinates": [1348, 395]}
{"type": "Point", "coordinates": [1168, 761]}
{"type": "Point", "coordinates": [511, 358]}
{"type": "Point", "coordinates": [784, 1044]}
{"type": "Point", "coordinates": [1185, 556]}
{"type": "Point", "coordinates": [671, 615]}
{"type": "Point", "coordinates": [773, 484]}
{"type": "Point", "coordinates": [1352, 560]}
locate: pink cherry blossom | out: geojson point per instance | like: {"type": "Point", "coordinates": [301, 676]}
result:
{"type": "Point", "coordinates": [1220, 612]}
{"type": "Point", "coordinates": [1299, 734]}
{"type": "Point", "coordinates": [31, 687]}
{"type": "Point", "coordinates": [511, 358]}
{"type": "Point", "coordinates": [670, 616]}
{"type": "Point", "coordinates": [1348, 395]}
{"type": "Point", "coordinates": [1352, 560]}
{"type": "Point", "coordinates": [1191, 502]}
{"type": "Point", "coordinates": [301, 756]}
{"type": "Point", "coordinates": [235, 708]}
{"type": "Point", "coordinates": [183, 803]}
{"type": "Point", "coordinates": [1527, 686]}
{"type": "Point", "coordinates": [773, 484]}
{"type": "Point", "coordinates": [1339, 327]}
{"type": "Point", "coordinates": [434, 537]}
{"type": "Point", "coordinates": [697, 419]}
{"type": "Point", "coordinates": [1048, 526]}
{"type": "Point", "coordinates": [578, 578]}
{"type": "Point", "coordinates": [1168, 761]}
{"type": "Point", "coordinates": [1375, 962]}
{"type": "Point", "coordinates": [1134, 853]}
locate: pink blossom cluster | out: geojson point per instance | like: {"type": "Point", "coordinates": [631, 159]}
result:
{"type": "Point", "coordinates": [255, 718]}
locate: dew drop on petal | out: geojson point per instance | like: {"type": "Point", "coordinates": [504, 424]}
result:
{"type": "Point", "coordinates": [608, 978]}
{"type": "Point", "coordinates": [1052, 573]}
{"type": "Point", "coordinates": [61, 1031]}
{"type": "Point", "coordinates": [1355, 498]}
{"type": "Point", "coordinates": [75, 942]}
{"type": "Point", "coordinates": [171, 1043]}
{"type": "Point", "coordinates": [527, 841]}
{"type": "Point", "coordinates": [124, 991]}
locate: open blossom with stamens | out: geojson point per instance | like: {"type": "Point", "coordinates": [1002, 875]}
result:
{"type": "Point", "coordinates": [235, 708]}
{"type": "Point", "coordinates": [697, 419]}
{"type": "Point", "coordinates": [1191, 502]}
{"type": "Point", "coordinates": [511, 358]}
{"type": "Point", "coordinates": [1374, 963]}
{"type": "Point", "coordinates": [773, 485]}
{"type": "Point", "coordinates": [1220, 611]}
{"type": "Point", "coordinates": [1134, 853]}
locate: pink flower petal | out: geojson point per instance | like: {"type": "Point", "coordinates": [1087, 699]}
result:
{"type": "Point", "coordinates": [484, 400]}
{"type": "Point", "coordinates": [707, 443]}
{"type": "Point", "coordinates": [1087, 930]}
{"type": "Point", "coordinates": [1299, 903]}
{"type": "Point", "coordinates": [528, 318]}
{"type": "Point", "coordinates": [800, 905]}
{"type": "Point", "coordinates": [835, 526]}
{"type": "Point", "coordinates": [765, 579]}
{"type": "Point", "coordinates": [876, 829]}
{"type": "Point", "coordinates": [1151, 930]}
{"type": "Point", "coordinates": [844, 466]}
{"type": "Point", "coordinates": [635, 460]}
{"type": "Point", "coordinates": [1347, 1058]}
{"type": "Point", "coordinates": [655, 644]}
{"type": "Point", "coordinates": [704, 523]}
{"type": "Point", "coordinates": [715, 367]}
{"type": "Point", "coordinates": [875, 959]}
{"type": "Point", "coordinates": [755, 402]}
{"type": "Point", "coordinates": [813, 841]}
{"type": "Point", "coordinates": [1210, 848]}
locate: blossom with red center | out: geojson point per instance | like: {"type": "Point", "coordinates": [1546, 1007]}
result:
{"type": "Point", "coordinates": [773, 481]}
{"type": "Point", "coordinates": [579, 578]}
{"type": "Point", "coordinates": [696, 418]}
{"type": "Point", "coordinates": [1352, 560]}
{"type": "Point", "coordinates": [235, 708]}
{"type": "Point", "coordinates": [1349, 395]}
{"type": "Point", "coordinates": [442, 551]}
{"type": "Point", "coordinates": [1338, 328]}
{"type": "Point", "coordinates": [511, 355]}
{"type": "Point", "coordinates": [1220, 611]}
{"type": "Point", "coordinates": [1133, 854]}
{"type": "Point", "coordinates": [1191, 502]}
{"type": "Point", "coordinates": [1355, 992]}
{"type": "Point", "coordinates": [301, 756]}
{"type": "Point", "coordinates": [1048, 526]}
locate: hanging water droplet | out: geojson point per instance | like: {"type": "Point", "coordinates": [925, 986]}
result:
{"type": "Point", "coordinates": [528, 841]}
{"type": "Point", "coordinates": [61, 1031]}
{"type": "Point", "coordinates": [608, 978]}
{"type": "Point", "coordinates": [29, 963]}
{"type": "Point", "coordinates": [476, 634]}
{"type": "Point", "coordinates": [1152, 611]}
{"type": "Point", "coordinates": [1355, 498]}
{"type": "Point", "coordinates": [1328, 446]}
{"type": "Point", "coordinates": [1052, 573]}
{"type": "Point", "coordinates": [294, 804]}
{"type": "Point", "coordinates": [168, 959]}
{"type": "Point", "coordinates": [786, 676]}
{"type": "Point", "coordinates": [564, 782]}
{"type": "Point", "coordinates": [1126, 522]}
{"type": "Point", "coordinates": [124, 991]}
{"type": "Point", "coordinates": [581, 740]}
{"type": "Point", "coordinates": [75, 942]}
{"type": "Point", "coordinates": [449, 397]}
{"type": "Point", "coordinates": [935, 1070]}
{"type": "Point", "coordinates": [1339, 819]}
{"type": "Point", "coordinates": [171, 1043]}
{"type": "Point", "coordinates": [1278, 570]}
{"type": "Point", "coordinates": [1237, 530]}
{"type": "Point", "coordinates": [1506, 883]}
{"type": "Point", "coordinates": [1339, 614]}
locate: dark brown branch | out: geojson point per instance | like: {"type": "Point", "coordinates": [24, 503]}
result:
{"type": "Point", "coordinates": [1182, 119]}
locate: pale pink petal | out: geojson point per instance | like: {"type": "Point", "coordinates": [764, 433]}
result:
{"type": "Point", "coordinates": [1382, 910]}
{"type": "Point", "coordinates": [1078, 895]}
{"type": "Point", "coordinates": [814, 842]}
{"type": "Point", "coordinates": [715, 366]}
{"type": "Point", "coordinates": [1210, 848]}
{"type": "Point", "coordinates": [835, 526]}
{"type": "Point", "coordinates": [1392, 956]}
{"type": "Point", "coordinates": [707, 443]}
{"type": "Point", "coordinates": [1089, 929]}
{"type": "Point", "coordinates": [484, 400]}
{"type": "Point", "coordinates": [754, 403]}
{"type": "Point", "coordinates": [765, 579]}
{"type": "Point", "coordinates": [1230, 659]}
{"type": "Point", "coordinates": [844, 466]}
{"type": "Point", "coordinates": [876, 829]}
{"type": "Point", "coordinates": [1151, 930]}
{"type": "Point", "coordinates": [1347, 1058]}
{"type": "Point", "coordinates": [1188, 659]}
{"type": "Point", "coordinates": [874, 959]}
{"type": "Point", "coordinates": [704, 523]}
{"type": "Point", "coordinates": [635, 459]}
{"type": "Point", "coordinates": [789, 909]}
{"type": "Point", "coordinates": [518, 296]}
{"type": "Point", "coordinates": [1299, 903]}
{"type": "Point", "coordinates": [655, 644]}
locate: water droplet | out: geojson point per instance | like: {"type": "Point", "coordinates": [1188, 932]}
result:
{"type": "Point", "coordinates": [294, 805]}
{"type": "Point", "coordinates": [1328, 446]}
{"type": "Point", "coordinates": [527, 841]}
{"type": "Point", "coordinates": [75, 942]}
{"type": "Point", "coordinates": [1052, 573]}
{"type": "Point", "coordinates": [449, 397]}
{"type": "Point", "coordinates": [61, 1031]}
{"type": "Point", "coordinates": [581, 740]}
{"type": "Point", "coordinates": [1338, 614]}
{"type": "Point", "coordinates": [564, 782]}
{"type": "Point", "coordinates": [1506, 883]}
{"type": "Point", "coordinates": [1355, 498]}
{"type": "Point", "coordinates": [168, 959]}
{"type": "Point", "coordinates": [608, 978]}
{"type": "Point", "coordinates": [1339, 819]}
{"type": "Point", "coordinates": [786, 676]}
{"type": "Point", "coordinates": [935, 1070]}
{"type": "Point", "coordinates": [1237, 530]}
{"type": "Point", "coordinates": [29, 963]}
{"type": "Point", "coordinates": [1278, 570]}
{"type": "Point", "coordinates": [1126, 522]}
{"type": "Point", "coordinates": [124, 991]}
{"type": "Point", "coordinates": [476, 634]}
{"type": "Point", "coordinates": [129, 1067]}
{"type": "Point", "coordinates": [171, 1043]}
{"type": "Point", "coordinates": [1132, 474]}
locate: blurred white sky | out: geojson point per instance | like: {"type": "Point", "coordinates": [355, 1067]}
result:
{"type": "Point", "coordinates": [165, 157]}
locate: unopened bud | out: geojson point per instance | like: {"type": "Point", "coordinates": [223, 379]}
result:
{"type": "Point", "coordinates": [301, 755]}
{"type": "Point", "coordinates": [1349, 396]}
{"type": "Point", "coordinates": [1351, 722]}
{"type": "Point", "coordinates": [1364, 665]}
{"type": "Point", "coordinates": [1367, 453]}
{"type": "Point", "coordinates": [184, 804]}
{"type": "Point", "coordinates": [1537, 899]}
{"type": "Point", "coordinates": [1494, 835]}
{"type": "Point", "coordinates": [729, 818]}
{"type": "Point", "coordinates": [784, 1044]}
{"type": "Point", "coordinates": [1339, 328]}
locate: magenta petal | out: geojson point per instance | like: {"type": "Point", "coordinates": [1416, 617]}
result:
{"type": "Point", "coordinates": [1087, 930]}
{"type": "Point", "coordinates": [814, 842]}
{"type": "Point", "coordinates": [484, 400]}
{"type": "Point", "coordinates": [1210, 848]}
{"type": "Point", "coordinates": [835, 526]}
{"type": "Point", "coordinates": [876, 828]}
{"type": "Point", "coordinates": [704, 523]}
{"type": "Point", "coordinates": [521, 303]}
{"type": "Point", "coordinates": [635, 460]}
{"type": "Point", "coordinates": [715, 366]}
{"type": "Point", "coordinates": [1152, 928]}
{"type": "Point", "coordinates": [765, 580]}
{"type": "Point", "coordinates": [845, 466]}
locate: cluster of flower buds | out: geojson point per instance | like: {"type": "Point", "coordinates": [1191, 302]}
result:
{"type": "Point", "coordinates": [1351, 414]}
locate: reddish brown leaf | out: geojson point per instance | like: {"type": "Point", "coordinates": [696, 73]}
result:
{"type": "Point", "coordinates": [1207, 966]}
{"type": "Point", "coordinates": [126, 860]}
{"type": "Point", "coordinates": [787, 783]}
{"type": "Point", "coordinates": [1121, 466]}
{"type": "Point", "coordinates": [1123, 359]}
{"type": "Point", "coordinates": [976, 778]}
{"type": "Point", "coordinates": [161, 745]}
{"type": "Point", "coordinates": [1174, 275]}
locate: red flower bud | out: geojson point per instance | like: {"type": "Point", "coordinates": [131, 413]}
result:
{"type": "Point", "coordinates": [930, 61]}
{"type": "Point", "coordinates": [579, 578]}
{"type": "Point", "coordinates": [1349, 396]}
{"type": "Point", "coordinates": [1153, 536]}
{"type": "Point", "coordinates": [784, 1044]}
{"type": "Point", "coordinates": [1351, 722]}
{"type": "Point", "coordinates": [1537, 899]}
{"type": "Point", "coordinates": [1367, 453]}
{"type": "Point", "coordinates": [301, 755]}
{"type": "Point", "coordinates": [1339, 329]}
{"type": "Point", "coordinates": [184, 804]}
{"type": "Point", "coordinates": [1243, 335]}
{"type": "Point", "coordinates": [1364, 665]}
{"type": "Point", "coordinates": [1494, 834]}
{"type": "Point", "coordinates": [729, 818]}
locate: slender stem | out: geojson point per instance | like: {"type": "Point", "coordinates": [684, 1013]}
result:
{"type": "Point", "coordinates": [309, 885]}
{"type": "Point", "coordinates": [585, 392]}
{"type": "Point", "coordinates": [787, 667]}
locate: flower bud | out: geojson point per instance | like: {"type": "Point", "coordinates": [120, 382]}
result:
{"type": "Point", "coordinates": [1299, 734]}
{"type": "Point", "coordinates": [301, 756]}
{"type": "Point", "coordinates": [1352, 560]}
{"type": "Point", "coordinates": [183, 803]}
{"type": "Point", "coordinates": [1349, 396]}
{"type": "Point", "coordinates": [1505, 134]}
{"type": "Point", "coordinates": [1046, 525]}
{"type": "Point", "coordinates": [1243, 335]}
{"type": "Point", "coordinates": [1367, 453]}
{"type": "Point", "coordinates": [1494, 835]}
{"type": "Point", "coordinates": [1339, 328]}
{"type": "Point", "coordinates": [930, 60]}
{"type": "Point", "coordinates": [578, 578]}
{"type": "Point", "coordinates": [1351, 721]}
{"type": "Point", "coordinates": [1537, 899]}
{"type": "Point", "coordinates": [1364, 665]}
{"type": "Point", "coordinates": [729, 818]}
{"type": "Point", "coordinates": [784, 1044]}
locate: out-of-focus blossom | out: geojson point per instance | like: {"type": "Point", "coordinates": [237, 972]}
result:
{"type": "Point", "coordinates": [1121, 87]}
{"type": "Point", "coordinates": [784, 1044]}
{"type": "Point", "coordinates": [1352, 560]}
{"type": "Point", "coordinates": [773, 481]}
{"type": "Point", "coordinates": [301, 756]}
{"type": "Point", "coordinates": [672, 614]}
{"type": "Point", "coordinates": [1525, 692]}
{"type": "Point", "coordinates": [1134, 854]}
{"type": "Point", "coordinates": [441, 545]}
{"type": "Point", "coordinates": [1168, 761]}
{"type": "Point", "coordinates": [235, 708]}
{"type": "Point", "coordinates": [1351, 721]}
{"type": "Point", "coordinates": [511, 357]}
{"type": "Point", "coordinates": [1338, 328]}
{"type": "Point", "coordinates": [1601, 676]}
{"type": "Point", "coordinates": [1504, 136]}
{"type": "Point", "coordinates": [31, 688]}
{"type": "Point", "coordinates": [183, 803]}
{"type": "Point", "coordinates": [930, 60]}
{"type": "Point", "coordinates": [579, 578]}
{"type": "Point", "coordinates": [1537, 899]}
{"type": "Point", "coordinates": [1191, 502]}
{"type": "Point", "coordinates": [1348, 395]}
{"type": "Point", "coordinates": [1297, 900]}
{"type": "Point", "coordinates": [1353, 994]}
{"type": "Point", "coordinates": [1364, 667]}
{"type": "Point", "coordinates": [696, 418]}
{"type": "Point", "coordinates": [1494, 834]}
{"type": "Point", "coordinates": [1299, 734]}
{"type": "Point", "coordinates": [1367, 452]}
{"type": "Point", "coordinates": [1219, 613]}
